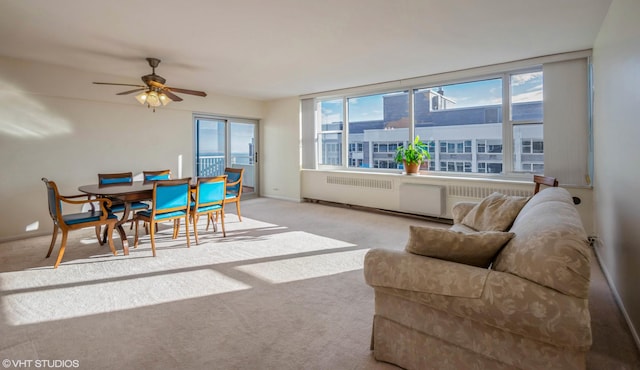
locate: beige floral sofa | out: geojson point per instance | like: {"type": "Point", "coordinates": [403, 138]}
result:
{"type": "Point", "coordinates": [527, 310]}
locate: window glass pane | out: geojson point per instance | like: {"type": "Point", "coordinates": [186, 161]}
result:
{"type": "Point", "coordinates": [378, 124]}
{"type": "Point", "coordinates": [330, 132]}
{"type": "Point", "coordinates": [330, 149]}
{"type": "Point", "coordinates": [526, 96]}
{"type": "Point", "coordinates": [211, 147]}
{"type": "Point", "coordinates": [528, 154]}
{"type": "Point", "coordinates": [463, 120]}
{"type": "Point", "coordinates": [331, 115]}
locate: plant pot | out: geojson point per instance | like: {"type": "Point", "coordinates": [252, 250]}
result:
{"type": "Point", "coordinates": [411, 168]}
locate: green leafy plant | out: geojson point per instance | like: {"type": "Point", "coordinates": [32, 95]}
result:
{"type": "Point", "coordinates": [415, 152]}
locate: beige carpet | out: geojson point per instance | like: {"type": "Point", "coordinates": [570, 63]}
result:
{"type": "Point", "coordinates": [283, 290]}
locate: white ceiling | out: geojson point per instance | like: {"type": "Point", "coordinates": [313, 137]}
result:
{"type": "Point", "coordinates": [266, 49]}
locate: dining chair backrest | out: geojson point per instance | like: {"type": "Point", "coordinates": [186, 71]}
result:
{"type": "Point", "coordinates": [53, 199]}
{"type": "Point", "coordinates": [171, 196]}
{"type": "Point", "coordinates": [156, 175]}
{"type": "Point", "coordinates": [210, 191]}
{"type": "Point", "coordinates": [115, 178]}
{"type": "Point", "coordinates": [543, 180]}
{"type": "Point", "coordinates": [234, 178]}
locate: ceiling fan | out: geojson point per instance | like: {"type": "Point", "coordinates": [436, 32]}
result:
{"type": "Point", "coordinates": [154, 91]}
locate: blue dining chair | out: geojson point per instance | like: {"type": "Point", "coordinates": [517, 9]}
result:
{"type": "Point", "coordinates": [234, 187]}
{"type": "Point", "coordinates": [210, 195]}
{"type": "Point", "coordinates": [156, 175]}
{"type": "Point", "coordinates": [171, 201]}
{"type": "Point", "coordinates": [75, 221]}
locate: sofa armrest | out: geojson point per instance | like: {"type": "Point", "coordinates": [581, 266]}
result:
{"type": "Point", "coordinates": [460, 210]}
{"type": "Point", "coordinates": [412, 272]}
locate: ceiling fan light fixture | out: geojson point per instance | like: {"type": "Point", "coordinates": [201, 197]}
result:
{"type": "Point", "coordinates": [153, 99]}
{"type": "Point", "coordinates": [164, 99]}
{"type": "Point", "coordinates": [142, 97]}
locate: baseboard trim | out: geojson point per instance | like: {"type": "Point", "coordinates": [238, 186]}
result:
{"type": "Point", "coordinates": [596, 244]}
{"type": "Point", "coordinates": [34, 234]}
{"type": "Point", "coordinates": [297, 200]}
{"type": "Point", "coordinates": [441, 220]}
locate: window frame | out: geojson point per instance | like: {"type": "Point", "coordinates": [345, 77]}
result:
{"type": "Point", "coordinates": [507, 123]}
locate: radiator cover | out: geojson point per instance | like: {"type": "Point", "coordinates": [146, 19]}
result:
{"type": "Point", "coordinates": [422, 199]}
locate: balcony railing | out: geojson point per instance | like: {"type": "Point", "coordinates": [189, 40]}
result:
{"type": "Point", "coordinates": [210, 166]}
{"type": "Point", "coordinates": [214, 165]}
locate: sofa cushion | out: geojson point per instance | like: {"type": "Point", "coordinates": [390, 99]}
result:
{"type": "Point", "coordinates": [550, 245]}
{"type": "Point", "coordinates": [476, 249]}
{"type": "Point", "coordinates": [495, 212]}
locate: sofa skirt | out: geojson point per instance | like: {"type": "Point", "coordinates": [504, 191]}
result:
{"type": "Point", "coordinates": [415, 336]}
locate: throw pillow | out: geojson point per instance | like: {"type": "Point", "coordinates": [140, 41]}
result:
{"type": "Point", "coordinates": [495, 212]}
{"type": "Point", "coordinates": [476, 249]}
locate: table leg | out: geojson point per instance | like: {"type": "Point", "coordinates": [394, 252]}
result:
{"type": "Point", "coordinates": [123, 234]}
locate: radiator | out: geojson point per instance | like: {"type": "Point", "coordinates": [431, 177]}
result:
{"type": "Point", "coordinates": [360, 182]}
{"type": "Point", "coordinates": [422, 199]}
{"type": "Point", "coordinates": [479, 192]}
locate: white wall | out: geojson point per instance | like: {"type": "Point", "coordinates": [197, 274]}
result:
{"type": "Point", "coordinates": [54, 123]}
{"type": "Point", "coordinates": [280, 149]}
{"type": "Point", "coordinates": [616, 135]}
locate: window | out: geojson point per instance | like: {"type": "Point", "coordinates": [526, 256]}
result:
{"type": "Point", "coordinates": [461, 122]}
{"type": "Point", "coordinates": [458, 146]}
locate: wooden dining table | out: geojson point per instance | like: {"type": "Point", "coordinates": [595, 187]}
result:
{"type": "Point", "coordinates": [127, 193]}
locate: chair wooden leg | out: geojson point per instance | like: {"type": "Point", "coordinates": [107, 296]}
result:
{"type": "Point", "coordinates": [208, 217]}
{"type": "Point", "coordinates": [110, 238]}
{"type": "Point", "coordinates": [224, 233]}
{"type": "Point", "coordinates": [135, 240]}
{"type": "Point", "coordinates": [176, 226]}
{"type": "Point", "coordinates": [238, 209]}
{"type": "Point", "coordinates": [186, 228]}
{"type": "Point", "coordinates": [53, 239]}
{"type": "Point", "coordinates": [63, 245]}
{"type": "Point", "coordinates": [99, 235]}
{"type": "Point", "coordinates": [153, 239]}
{"type": "Point", "coordinates": [194, 218]}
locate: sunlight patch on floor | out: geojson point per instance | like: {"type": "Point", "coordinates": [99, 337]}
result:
{"type": "Point", "coordinates": [98, 298]}
{"type": "Point", "coordinates": [293, 269]}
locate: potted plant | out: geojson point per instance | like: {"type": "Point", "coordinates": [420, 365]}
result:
{"type": "Point", "coordinates": [412, 155]}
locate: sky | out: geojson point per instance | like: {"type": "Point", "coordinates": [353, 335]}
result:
{"type": "Point", "coordinates": [525, 87]}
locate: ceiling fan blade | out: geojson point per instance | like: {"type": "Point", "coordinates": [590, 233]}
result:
{"type": "Point", "coordinates": [171, 95]}
{"type": "Point", "coordinates": [109, 83]}
{"type": "Point", "coordinates": [132, 91]}
{"type": "Point", "coordinates": [185, 91]}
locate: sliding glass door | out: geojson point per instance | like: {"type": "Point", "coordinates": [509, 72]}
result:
{"type": "Point", "coordinates": [227, 142]}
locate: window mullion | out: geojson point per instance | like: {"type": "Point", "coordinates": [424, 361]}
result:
{"type": "Point", "coordinates": [507, 126]}
{"type": "Point", "coordinates": [412, 122]}
{"type": "Point", "coordinates": [345, 133]}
